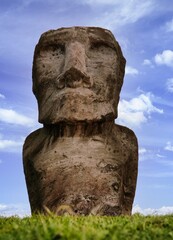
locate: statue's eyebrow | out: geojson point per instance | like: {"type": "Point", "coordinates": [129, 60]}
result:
{"type": "Point", "coordinates": [96, 42]}
{"type": "Point", "coordinates": [52, 43]}
{"type": "Point", "coordinates": [54, 39]}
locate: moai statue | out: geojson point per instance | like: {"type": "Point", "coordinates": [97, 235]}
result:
{"type": "Point", "coordinates": [80, 162]}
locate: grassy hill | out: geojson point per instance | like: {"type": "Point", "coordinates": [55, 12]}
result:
{"type": "Point", "coordinates": [51, 227]}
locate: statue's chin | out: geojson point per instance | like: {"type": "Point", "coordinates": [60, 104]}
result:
{"type": "Point", "coordinates": [83, 112]}
{"type": "Point", "coordinates": [75, 105]}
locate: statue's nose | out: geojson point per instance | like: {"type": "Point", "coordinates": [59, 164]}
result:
{"type": "Point", "coordinates": [75, 57]}
{"type": "Point", "coordinates": [74, 72]}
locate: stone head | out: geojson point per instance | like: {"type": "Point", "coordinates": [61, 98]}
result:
{"type": "Point", "coordinates": [77, 75]}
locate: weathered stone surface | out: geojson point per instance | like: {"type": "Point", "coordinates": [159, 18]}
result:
{"type": "Point", "coordinates": [77, 75]}
{"type": "Point", "coordinates": [80, 162]}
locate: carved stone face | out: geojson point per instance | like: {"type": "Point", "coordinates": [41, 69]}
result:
{"type": "Point", "coordinates": [77, 75]}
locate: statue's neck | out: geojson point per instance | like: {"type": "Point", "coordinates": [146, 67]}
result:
{"type": "Point", "coordinates": [79, 129]}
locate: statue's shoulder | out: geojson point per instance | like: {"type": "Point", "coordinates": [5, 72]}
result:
{"type": "Point", "coordinates": [125, 134]}
{"type": "Point", "coordinates": [124, 130]}
{"type": "Point", "coordinates": [34, 136]}
{"type": "Point", "coordinates": [34, 141]}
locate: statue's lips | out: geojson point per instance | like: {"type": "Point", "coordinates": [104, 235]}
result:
{"type": "Point", "coordinates": [77, 92]}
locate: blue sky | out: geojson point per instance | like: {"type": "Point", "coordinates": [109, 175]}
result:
{"type": "Point", "coordinates": [144, 30]}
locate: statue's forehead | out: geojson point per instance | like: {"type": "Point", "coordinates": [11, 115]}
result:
{"type": "Point", "coordinates": [82, 34]}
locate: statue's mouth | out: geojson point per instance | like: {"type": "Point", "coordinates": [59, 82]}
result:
{"type": "Point", "coordinates": [77, 92]}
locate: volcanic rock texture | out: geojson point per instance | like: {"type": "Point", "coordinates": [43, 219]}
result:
{"type": "Point", "coordinates": [80, 162]}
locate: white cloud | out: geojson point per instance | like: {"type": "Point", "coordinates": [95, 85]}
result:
{"type": "Point", "coordinates": [147, 62]}
{"type": "Point", "coordinates": [160, 156]}
{"type": "Point", "coordinates": [169, 85]}
{"type": "Point", "coordinates": [123, 12]}
{"type": "Point", "coordinates": [169, 26]}
{"type": "Point", "coordinates": [137, 110]}
{"type": "Point", "coordinates": [2, 96]}
{"type": "Point", "coordinates": [169, 147]}
{"type": "Point", "coordinates": [131, 71]}
{"type": "Point", "coordinates": [143, 154]}
{"type": "Point", "coordinates": [10, 145]}
{"type": "Point", "coordinates": [20, 210]}
{"type": "Point", "coordinates": [142, 150]}
{"type": "Point", "coordinates": [151, 211]}
{"type": "Point", "coordinates": [12, 117]}
{"type": "Point", "coordinates": [164, 58]}
{"type": "Point", "coordinates": [148, 154]}
{"type": "Point", "coordinates": [23, 210]}
{"type": "Point", "coordinates": [130, 118]}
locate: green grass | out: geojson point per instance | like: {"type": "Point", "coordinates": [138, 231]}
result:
{"type": "Point", "coordinates": [70, 227]}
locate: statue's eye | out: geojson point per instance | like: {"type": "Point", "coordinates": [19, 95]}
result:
{"type": "Point", "coordinates": [102, 47]}
{"type": "Point", "coordinates": [56, 48]}
{"type": "Point", "coordinates": [97, 44]}
{"type": "Point", "coordinates": [51, 49]}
